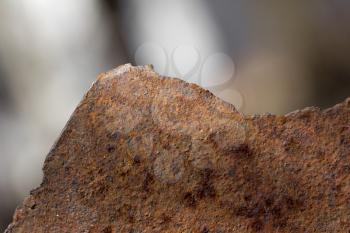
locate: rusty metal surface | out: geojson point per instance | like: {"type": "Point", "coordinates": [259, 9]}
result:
{"type": "Point", "coordinates": [144, 153]}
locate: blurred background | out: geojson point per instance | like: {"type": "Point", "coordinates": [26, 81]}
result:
{"type": "Point", "coordinates": [262, 56]}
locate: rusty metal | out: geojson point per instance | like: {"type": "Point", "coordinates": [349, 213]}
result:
{"type": "Point", "coordinates": [144, 153]}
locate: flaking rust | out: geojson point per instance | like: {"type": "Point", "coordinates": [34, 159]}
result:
{"type": "Point", "coordinates": [144, 153]}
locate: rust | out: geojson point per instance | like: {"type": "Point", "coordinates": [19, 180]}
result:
{"type": "Point", "coordinates": [145, 153]}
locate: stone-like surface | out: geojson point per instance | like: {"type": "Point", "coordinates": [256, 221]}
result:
{"type": "Point", "coordinates": [144, 153]}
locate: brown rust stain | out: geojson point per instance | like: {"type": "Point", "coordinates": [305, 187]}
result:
{"type": "Point", "coordinates": [144, 153]}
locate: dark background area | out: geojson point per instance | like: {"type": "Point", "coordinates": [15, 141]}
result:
{"type": "Point", "coordinates": [279, 56]}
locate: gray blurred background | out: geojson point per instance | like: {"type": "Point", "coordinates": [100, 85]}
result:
{"type": "Point", "coordinates": [262, 56]}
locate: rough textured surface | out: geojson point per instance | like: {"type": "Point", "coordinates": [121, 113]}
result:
{"type": "Point", "coordinates": [144, 153]}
